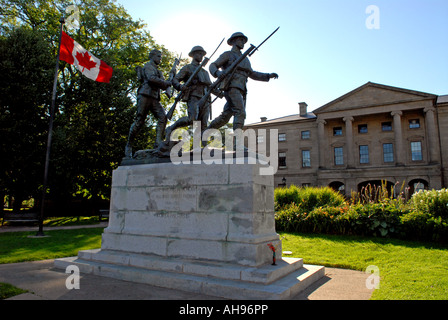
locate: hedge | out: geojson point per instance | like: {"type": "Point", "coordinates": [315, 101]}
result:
{"type": "Point", "coordinates": [321, 210]}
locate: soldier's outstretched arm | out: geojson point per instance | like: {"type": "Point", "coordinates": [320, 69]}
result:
{"type": "Point", "coordinates": [259, 76]}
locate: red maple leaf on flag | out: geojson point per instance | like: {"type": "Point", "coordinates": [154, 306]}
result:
{"type": "Point", "coordinates": [85, 60]}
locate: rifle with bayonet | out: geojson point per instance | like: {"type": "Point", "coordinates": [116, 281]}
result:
{"type": "Point", "coordinates": [230, 71]}
{"type": "Point", "coordinates": [204, 62]}
{"type": "Point", "coordinates": [172, 74]}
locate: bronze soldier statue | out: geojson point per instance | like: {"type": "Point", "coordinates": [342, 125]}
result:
{"type": "Point", "coordinates": [234, 85]}
{"type": "Point", "coordinates": [192, 93]}
{"type": "Point", "coordinates": [148, 99]}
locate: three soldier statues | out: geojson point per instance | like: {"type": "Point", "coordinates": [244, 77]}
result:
{"type": "Point", "coordinates": [232, 70]}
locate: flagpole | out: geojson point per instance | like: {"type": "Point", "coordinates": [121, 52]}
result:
{"type": "Point", "coordinates": [40, 232]}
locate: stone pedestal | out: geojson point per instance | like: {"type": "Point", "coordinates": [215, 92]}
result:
{"type": "Point", "coordinates": [195, 227]}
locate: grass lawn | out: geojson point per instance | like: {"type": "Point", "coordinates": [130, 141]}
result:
{"type": "Point", "coordinates": [17, 247]}
{"type": "Point", "coordinates": [8, 291]}
{"type": "Point", "coordinates": [408, 270]}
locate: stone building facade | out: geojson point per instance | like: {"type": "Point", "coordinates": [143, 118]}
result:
{"type": "Point", "coordinates": [374, 133]}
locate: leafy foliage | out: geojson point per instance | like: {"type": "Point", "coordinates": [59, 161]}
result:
{"type": "Point", "coordinates": [308, 197]}
{"type": "Point", "coordinates": [25, 90]}
{"type": "Point", "coordinates": [423, 217]}
{"type": "Point", "coordinates": [92, 119]}
{"type": "Point", "coordinates": [434, 202]}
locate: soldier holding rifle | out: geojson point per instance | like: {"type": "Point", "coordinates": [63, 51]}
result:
{"type": "Point", "coordinates": [148, 99]}
{"type": "Point", "coordinates": [233, 83]}
{"type": "Point", "coordinates": [192, 92]}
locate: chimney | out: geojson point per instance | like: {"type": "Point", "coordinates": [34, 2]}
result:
{"type": "Point", "coordinates": [303, 111]}
{"type": "Point", "coordinates": [263, 119]}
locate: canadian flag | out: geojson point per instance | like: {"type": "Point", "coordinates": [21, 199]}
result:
{"type": "Point", "coordinates": [89, 65]}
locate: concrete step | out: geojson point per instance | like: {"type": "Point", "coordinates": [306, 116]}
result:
{"type": "Point", "coordinates": [265, 274]}
{"type": "Point", "coordinates": [285, 287]}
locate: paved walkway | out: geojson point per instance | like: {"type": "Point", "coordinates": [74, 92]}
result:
{"type": "Point", "coordinates": [44, 282]}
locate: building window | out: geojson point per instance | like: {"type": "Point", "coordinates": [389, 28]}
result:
{"type": "Point", "coordinates": [306, 158]}
{"type": "Point", "coordinates": [305, 135]}
{"type": "Point", "coordinates": [363, 154]}
{"type": "Point", "coordinates": [362, 128]}
{"type": "Point", "coordinates": [282, 159]}
{"type": "Point", "coordinates": [260, 139]}
{"type": "Point", "coordinates": [338, 156]}
{"type": "Point", "coordinates": [414, 123]}
{"type": "Point", "coordinates": [282, 137]}
{"type": "Point", "coordinates": [416, 151]}
{"type": "Point", "coordinates": [386, 126]}
{"type": "Point", "coordinates": [337, 131]}
{"type": "Point", "coordinates": [388, 152]}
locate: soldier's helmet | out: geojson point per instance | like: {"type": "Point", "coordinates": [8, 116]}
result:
{"type": "Point", "coordinates": [154, 52]}
{"type": "Point", "coordinates": [234, 36]}
{"type": "Point", "coordinates": [197, 48]}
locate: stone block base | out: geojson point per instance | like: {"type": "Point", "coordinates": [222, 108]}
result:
{"type": "Point", "coordinates": [196, 227]}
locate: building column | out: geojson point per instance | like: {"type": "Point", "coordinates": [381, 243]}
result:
{"type": "Point", "coordinates": [432, 136]}
{"type": "Point", "coordinates": [349, 141]}
{"type": "Point", "coordinates": [321, 140]}
{"type": "Point", "coordinates": [398, 136]}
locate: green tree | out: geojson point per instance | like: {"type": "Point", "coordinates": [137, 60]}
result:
{"type": "Point", "coordinates": [92, 119]}
{"type": "Point", "coordinates": [25, 87]}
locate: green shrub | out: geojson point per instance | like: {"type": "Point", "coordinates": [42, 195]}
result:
{"type": "Point", "coordinates": [433, 202]}
{"type": "Point", "coordinates": [414, 225]}
{"type": "Point", "coordinates": [286, 196]}
{"type": "Point", "coordinates": [375, 219]}
{"type": "Point", "coordinates": [428, 219]}
{"type": "Point", "coordinates": [322, 210]}
{"type": "Point", "coordinates": [308, 197]}
{"type": "Point", "coordinates": [289, 218]}
{"type": "Point", "coordinates": [327, 220]}
{"type": "Point", "coordinates": [418, 225]}
{"type": "Point", "coordinates": [295, 218]}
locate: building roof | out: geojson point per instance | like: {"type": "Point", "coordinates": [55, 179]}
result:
{"type": "Point", "coordinates": [376, 94]}
{"type": "Point", "coordinates": [293, 117]}
{"type": "Point", "coordinates": [442, 99]}
{"type": "Point", "coordinates": [373, 94]}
